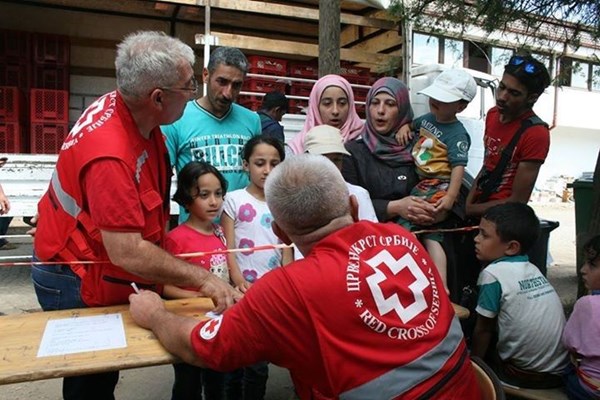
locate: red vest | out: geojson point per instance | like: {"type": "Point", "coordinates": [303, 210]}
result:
{"type": "Point", "coordinates": [65, 229]}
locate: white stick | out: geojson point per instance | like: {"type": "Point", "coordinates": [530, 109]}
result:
{"type": "Point", "coordinates": [15, 236]}
{"type": "Point", "coordinates": [134, 286]}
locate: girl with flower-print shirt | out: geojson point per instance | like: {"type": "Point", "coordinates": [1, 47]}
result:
{"type": "Point", "coordinates": [246, 219]}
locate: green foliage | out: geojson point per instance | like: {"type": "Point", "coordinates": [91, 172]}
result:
{"type": "Point", "coordinates": [567, 21]}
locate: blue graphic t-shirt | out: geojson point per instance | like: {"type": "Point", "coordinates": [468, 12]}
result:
{"type": "Point", "coordinates": [439, 147]}
{"type": "Point", "coordinates": [200, 136]}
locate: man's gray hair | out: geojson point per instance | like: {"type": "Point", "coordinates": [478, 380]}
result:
{"type": "Point", "coordinates": [305, 193]}
{"type": "Point", "coordinates": [230, 56]}
{"type": "Point", "coordinates": [147, 60]}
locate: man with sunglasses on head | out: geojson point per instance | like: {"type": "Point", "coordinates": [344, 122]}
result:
{"type": "Point", "coordinates": [516, 141]}
{"type": "Point", "coordinates": [101, 222]}
{"type": "Point", "coordinates": [214, 128]}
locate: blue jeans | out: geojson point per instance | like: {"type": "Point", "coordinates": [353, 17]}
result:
{"type": "Point", "coordinates": [574, 388]}
{"type": "Point", "coordinates": [4, 223]}
{"type": "Point", "coordinates": [58, 288]}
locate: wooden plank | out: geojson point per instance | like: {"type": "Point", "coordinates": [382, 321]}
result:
{"type": "Point", "coordinates": [379, 43]}
{"type": "Point", "coordinates": [21, 334]}
{"type": "Point", "coordinates": [264, 25]}
{"type": "Point", "coordinates": [269, 45]}
{"type": "Point", "coordinates": [350, 34]}
{"type": "Point", "coordinates": [287, 11]}
{"type": "Point", "coordinates": [295, 48]}
{"type": "Point", "coordinates": [92, 71]}
{"type": "Point", "coordinates": [535, 394]}
{"type": "Point", "coordinates": [353, 33]}
{"type": "Point", "coordinates": [131, 8]}
{"type": "Point", "coordinates": [392, 67]}
{"type": "Point", "coordinates": [93, 42]}
{"type": "Point", "coordinates": [184, 2]}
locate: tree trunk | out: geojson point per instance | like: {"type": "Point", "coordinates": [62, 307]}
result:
{"type": "Point", "coordinates": [595, 211]}
{"type": "Point", "coordinates": [329, 37]}
{"type": "Point", "coordinates": [593, 229]}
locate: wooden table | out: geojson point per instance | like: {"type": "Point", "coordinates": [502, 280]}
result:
{"type": "Point", "coordinates": [535, 394]}
{"type": "Point", "coordinates": [20, 337]}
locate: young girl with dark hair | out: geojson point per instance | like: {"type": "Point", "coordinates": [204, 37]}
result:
{"type": "Point", "coordinates": [246, 222]}
{"type": "Point", "coordinates": [582, 332]}
{"type": "Point", "coordinates": [200, 189]}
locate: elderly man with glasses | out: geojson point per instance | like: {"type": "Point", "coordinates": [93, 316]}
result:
{"type": "Point", "coordinates": [214, 128]}
{"type": "Point", "coordinates": [102, 220]}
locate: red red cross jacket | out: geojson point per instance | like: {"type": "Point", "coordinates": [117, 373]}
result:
{"type": "Point", "coordinates": [66, 231]}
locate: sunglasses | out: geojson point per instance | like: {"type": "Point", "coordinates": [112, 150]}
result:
{"type": "Point", "coordinates": [527, 65]}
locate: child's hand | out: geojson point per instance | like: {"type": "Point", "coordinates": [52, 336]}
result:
{"type": "Point", "coordinates": [404, 135]}
{"type": "Point", "coordinates": [444, 204]}
{"type": "Point", "coordinates": [33, 223]}
{"type": "Point", "coordinates": [243, 287]}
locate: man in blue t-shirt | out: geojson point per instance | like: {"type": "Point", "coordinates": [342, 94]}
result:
{"type": "Point", "coordinates": [214, 128]}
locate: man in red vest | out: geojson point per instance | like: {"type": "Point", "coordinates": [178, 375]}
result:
{"type": "Point", "coordinates": [108, 199]}
{"type": "Point", "coordinates": [363, 316]}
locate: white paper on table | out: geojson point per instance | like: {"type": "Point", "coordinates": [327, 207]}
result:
{"type": "Point", "coordinates": [81, 334]}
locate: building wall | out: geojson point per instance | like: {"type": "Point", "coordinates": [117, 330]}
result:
{"type": "Point", "coordinates": [572, 152]}
{"type": "Point", "coordinates": [575, 139]}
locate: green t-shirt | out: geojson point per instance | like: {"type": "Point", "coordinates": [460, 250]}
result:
{"type": "Point", "coordinates": [200, 136]}
{"type": "Point", "coordinates": [439, 147]}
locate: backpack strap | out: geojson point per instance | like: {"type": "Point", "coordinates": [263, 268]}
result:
{"type": "Point", "coordinates": [495, 176]}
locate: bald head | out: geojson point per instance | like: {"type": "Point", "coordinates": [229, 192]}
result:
{"type": "Point", "coordinates": [305, 194]}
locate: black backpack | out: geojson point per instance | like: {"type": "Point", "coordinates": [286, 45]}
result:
{"type": "Point", "coordinates": [493, 178]}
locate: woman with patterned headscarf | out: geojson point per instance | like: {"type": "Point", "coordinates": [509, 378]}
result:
{"type": "Point", "coordinates": [381, 165]}
{"type": "Point", "coordinates": [331, 102]}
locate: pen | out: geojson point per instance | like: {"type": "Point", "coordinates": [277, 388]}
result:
{"type": "Point", "coordinates": [134, 286]}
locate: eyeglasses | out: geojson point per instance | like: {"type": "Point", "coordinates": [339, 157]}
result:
{"type": "Point", "coordinates": [528, 66]}
{"type": "Point", "coordinates": [193, 89]}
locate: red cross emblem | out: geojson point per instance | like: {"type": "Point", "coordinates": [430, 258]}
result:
{"type": "Point", "coordinates": [210, 329]}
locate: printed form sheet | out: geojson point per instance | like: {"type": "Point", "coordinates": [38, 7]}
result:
{"type": "Point", "coordinates": [82, 334]}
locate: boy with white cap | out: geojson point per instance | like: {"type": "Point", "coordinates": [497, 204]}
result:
{"type": "Point", "coordinates": [327, 141]}
{"type": "Point", "coordinates": [441, 149]}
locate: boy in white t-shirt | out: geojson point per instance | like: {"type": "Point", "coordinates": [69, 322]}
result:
{"type": "Point", "coordinates": [327, 141]}
{"type": "Point", "coordinates": [516, 302]}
